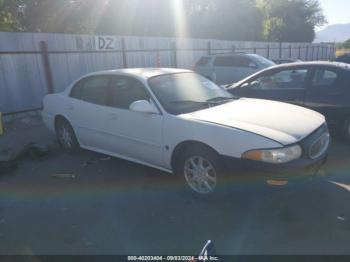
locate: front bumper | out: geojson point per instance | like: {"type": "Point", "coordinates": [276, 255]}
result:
{"type": "Point", "coordinates": [247, 169]}
{"type": "Point", "coordinates": [303, 167]}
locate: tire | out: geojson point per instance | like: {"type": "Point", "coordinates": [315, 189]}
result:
{"type": "Point", "coordinates": [66, 136]}
{"type": "Point", "coordinates": [201, 170]}
{"type": "Point", "coordinates": [345, 130]}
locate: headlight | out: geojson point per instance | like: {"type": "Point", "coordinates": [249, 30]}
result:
{"type": "Point", "coordinates": [275, 156]}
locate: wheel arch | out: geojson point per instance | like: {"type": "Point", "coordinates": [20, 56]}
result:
{"type": "Point", "coordinates": [184, 145]}
{"type": "Point", "coordinates": [58, 118]}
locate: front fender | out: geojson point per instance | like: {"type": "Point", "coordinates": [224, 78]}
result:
{"type": "Point", "coordinates": [225, 140]}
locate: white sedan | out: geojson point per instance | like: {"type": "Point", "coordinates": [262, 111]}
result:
{"type": "Point", "coordinates": [179, 122]}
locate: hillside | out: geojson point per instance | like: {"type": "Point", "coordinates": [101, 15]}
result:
{"type": "Point", "coordinates": [334, 33]}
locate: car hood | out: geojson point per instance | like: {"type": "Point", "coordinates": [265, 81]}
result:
{"type": "Point", "coordinates": [281, 122]}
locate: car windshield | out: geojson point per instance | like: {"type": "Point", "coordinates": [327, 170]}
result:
{"type": "Point", "coordinates": [262, 60]}
{"type": "Point", "coordinates": [187, 92]}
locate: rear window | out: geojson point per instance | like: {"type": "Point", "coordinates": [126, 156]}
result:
{"type": "Point", "coordinates": [203, 61]}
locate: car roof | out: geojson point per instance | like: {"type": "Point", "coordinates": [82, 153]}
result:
{"type": "Point", "coordinates": [312, 63]}
{"type": "Point", "coordinates": [144, 73]}
{"type": "Point", "coordinates": [343, 66]}
{"type": "Point", "coordinates": [229, 54]}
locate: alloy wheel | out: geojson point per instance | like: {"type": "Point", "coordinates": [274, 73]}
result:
{"type": "Point", "coordinates": [200, 174]}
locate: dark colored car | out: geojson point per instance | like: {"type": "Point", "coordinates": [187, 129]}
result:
{"type": "Point", "coordinates": [343, 58]}
{"type": "Point", "coordinates": [321, 86]}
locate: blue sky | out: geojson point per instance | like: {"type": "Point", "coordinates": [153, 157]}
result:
{"type": "Point", "coordinates": [337, 11]}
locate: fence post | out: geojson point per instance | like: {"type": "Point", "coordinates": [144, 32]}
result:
{"type": "Point", "coordinates": [268, 51]}
{"type": "Point", "coordinates": [307, 53]}
{"type": "Point", "coordinates": [158, 59]}
{"type": "Point", "coordinates": [47, 67]}
{"type": "Point", "coordinates": [312, 52]}
{"type": "Point", "coordinates": [254, 50]}
{"type": "Point", "coordinates": [174, 54]}
{"type": "Point", "coordinates": [280, 50]}
{"type": "Point", "coordinates": [233, 48]}
{"type": "Point", "coordinates": [290, 51]}
{"type": "Point", "coordinates": [299, 53]}
{"type": "Point", "coordinates": [124, 54]}
{"type": "Point", "coordinates": [209, 48]}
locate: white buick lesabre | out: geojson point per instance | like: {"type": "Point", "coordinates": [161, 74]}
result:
{"type": "Point", "coordinates": [182, 123]}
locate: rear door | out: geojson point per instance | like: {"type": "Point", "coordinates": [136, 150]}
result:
{"type": "Point", "coordinates": [86, 110]}
{"type": "Point", "coordinates": [327, 93]}
{"type": "Point", "coordinates": [285, 85]}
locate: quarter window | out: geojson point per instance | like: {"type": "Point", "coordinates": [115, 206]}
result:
{"type": "Point", "coordinates": [92, 89]}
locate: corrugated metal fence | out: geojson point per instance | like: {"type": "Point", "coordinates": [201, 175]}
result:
{"type": "Point", "coordinates": [34, 64]}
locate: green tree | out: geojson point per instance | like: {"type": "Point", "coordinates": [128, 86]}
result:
{"type": "Point", "coordinates": [255, 20]}
{"type": "Point", "coordinates": [226, 19]}
{"type": "Point", "coordinates": [9, 16]}
{"type": "Point", "coordinates": [292, 20]}
{"type": "Point", "coordinates": [346, 44]}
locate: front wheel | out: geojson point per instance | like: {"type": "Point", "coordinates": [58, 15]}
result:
{"type": "Point", "coordinates": [201, 169]}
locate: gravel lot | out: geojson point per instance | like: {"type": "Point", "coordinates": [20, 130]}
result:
{"type": "Point", "coordinates": [87, 203]}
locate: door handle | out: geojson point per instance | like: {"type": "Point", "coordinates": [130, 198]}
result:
{"type": "Point", "coordinates": [70, 108]}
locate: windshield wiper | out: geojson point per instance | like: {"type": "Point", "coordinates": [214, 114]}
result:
{"type": "Point", "coordinates": [186, 101]}
{"type": "Point", "coordinates": [221, 99]}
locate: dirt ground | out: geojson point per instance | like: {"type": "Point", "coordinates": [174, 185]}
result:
{"type": "Point", "coordinates": [88, 203]}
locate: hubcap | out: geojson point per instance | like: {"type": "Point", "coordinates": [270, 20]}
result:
{"type": "Point", "coordinates": [66, 137]}
{"type": "Point", "coordinates": [200, 174]}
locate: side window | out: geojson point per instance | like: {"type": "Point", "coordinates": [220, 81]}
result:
{"type": "Point", "coordinates": [124, 91]}
{"type": "Point", "coordinates": [232, 61]}
{"type": "Point", "coordinates": [92, 89]}
{"type": "Point", "coordinates": [242, 61]}
{"type": "Point", "coordinates": [287, 79]}
{"type": "Point", "coordinates": [224, 61]}
{"type": "Point", "coordinates": [324, 78]}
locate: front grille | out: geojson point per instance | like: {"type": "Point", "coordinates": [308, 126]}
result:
{"type": "Point", "coordinates": [317, 143]}
{"type": "Point", "coordinates": [319, 147]}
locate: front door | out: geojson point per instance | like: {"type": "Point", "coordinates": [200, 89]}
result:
{"type": "Point", "coordinates": [135, 135]}
{"type": "Point", "coordinates": [285, 86]}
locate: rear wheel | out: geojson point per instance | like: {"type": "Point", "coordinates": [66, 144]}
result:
{"type": "Point", "coordinates": [66, 135]}
{"type": "Point", "coordinates": [201, 169]}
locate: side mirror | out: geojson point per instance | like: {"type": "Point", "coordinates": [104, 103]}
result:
{"type": "Point", "coordinates": [143, 106]}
